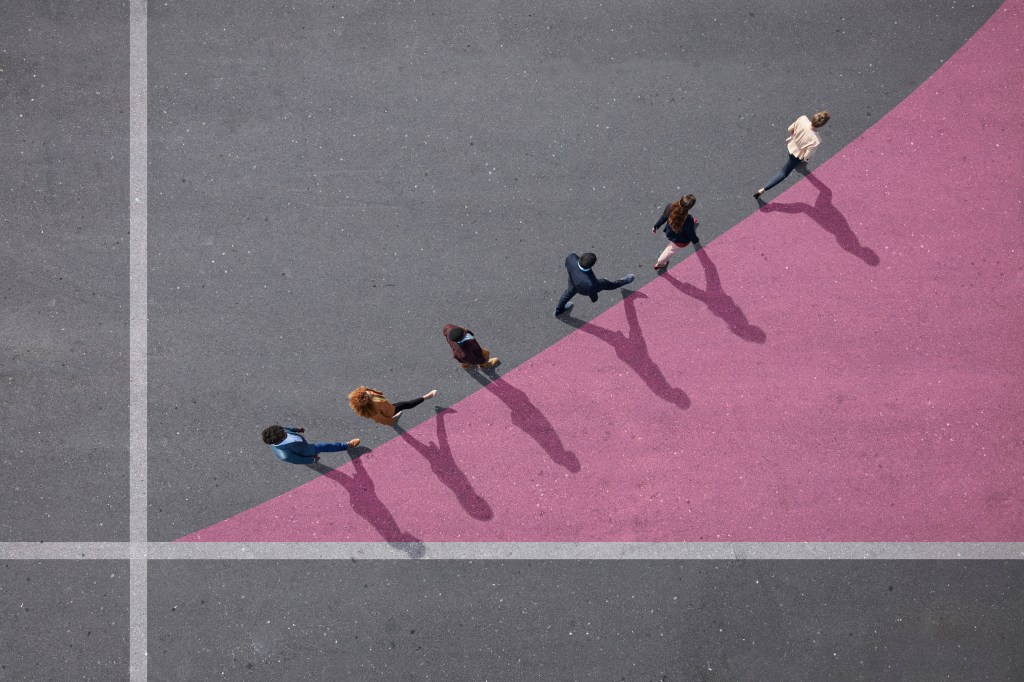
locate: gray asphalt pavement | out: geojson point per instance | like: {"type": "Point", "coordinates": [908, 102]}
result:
{"type": "Point", "coordinates": [64, 254]}
{"type": "Point", "coordinates": [331, 183]}
{"type": "Point", "coordinates": [574, 620]}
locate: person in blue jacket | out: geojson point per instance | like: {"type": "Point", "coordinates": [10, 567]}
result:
{"type": "Point", "coordinates": [290, 446]}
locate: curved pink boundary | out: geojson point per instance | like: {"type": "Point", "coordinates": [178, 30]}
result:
{"type": "Point", "coordinates": [844, 365]}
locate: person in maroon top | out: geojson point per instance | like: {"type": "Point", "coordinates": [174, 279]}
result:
{"type": "Point", "coordinates": [466, 349]}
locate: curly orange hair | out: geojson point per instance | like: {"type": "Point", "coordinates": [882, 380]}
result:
{"type": "Point", "coordinates": [361, 401]}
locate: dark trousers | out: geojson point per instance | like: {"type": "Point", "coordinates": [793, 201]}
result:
{"type": "Point", "coordinates": [603, 285]}
{"type": "Point", "coordinates": [791, 163]}
{"type": "Point", "coordinates": [407, 404]}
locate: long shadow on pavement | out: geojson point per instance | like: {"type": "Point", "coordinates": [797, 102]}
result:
{"type": "Point", "coordinates": [632, 350]}
{"type": "Point", "coordinates": [827, 216]}
{"type": "Point", "coordinates": [528, 418]}
{"type": "Point", "coordinates": [365, 502]}
{"type": "Point", "coordinates": [442, 463]}
{"type": "Point", "coordinates": [718, 302]}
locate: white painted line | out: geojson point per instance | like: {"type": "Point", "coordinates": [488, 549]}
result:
{"type": "Point", "coordinates": [587, 550]}
{"type": "Point", "coordinates": [39, 551]}
{"type": "Point", "coordinates": [138, 321]}
{"type": "Point", "coordinates": [486, 551]}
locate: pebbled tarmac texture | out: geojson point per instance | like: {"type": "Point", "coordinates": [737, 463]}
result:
{"type": "Point", "coordinates": [332, 183]}
{"type": "Point", "coordinates": [64, 255]}
{"type": "Point", "coordinates": [64, 620]}
{"type": "Point", "coordinates": [279, 153]}
{"type": "Point", "coordinates": [584, 620]}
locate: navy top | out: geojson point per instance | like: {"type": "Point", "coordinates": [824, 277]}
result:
{"type": "Point", "coordinates": [583, 281]}
{"type": "Point", "coordinates": [687, 234]}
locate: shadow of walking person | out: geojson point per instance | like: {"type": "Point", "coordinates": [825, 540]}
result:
{"type": "Point", "coordinates": [364, 501]}
{"type": "Point", "coordinates": [442, 463]}
{"type": "Point", "coordinates": [718, 302]}
{"type": "Point", "coordinates": [527, 418]}
{"type": "Point", "coordinates": [828, 216]}
{"type": "Point", "coordinates": [632, 350]}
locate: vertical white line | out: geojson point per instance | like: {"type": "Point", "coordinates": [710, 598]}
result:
{"type": "Point", "coordinates": [138, 341]}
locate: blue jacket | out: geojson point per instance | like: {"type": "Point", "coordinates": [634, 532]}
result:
{"type": "Point", "coordinates": [296, 452]}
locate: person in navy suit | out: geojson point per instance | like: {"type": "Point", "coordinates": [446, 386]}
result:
{"type": "Point", "coordinates": [290, 446]}
{"type": "Point", "coordinates": [582, 280]}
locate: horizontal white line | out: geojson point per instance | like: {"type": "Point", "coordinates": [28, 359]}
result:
{"type": "Point", "coordinates": [65, 550]}
{"type": "Point", "coordinates": [537, 551]}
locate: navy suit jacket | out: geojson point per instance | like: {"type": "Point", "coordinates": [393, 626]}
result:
{"type": "Point", "coordinates": [297, 452]}
{"type": "Point", "coordinates": [583, 282]}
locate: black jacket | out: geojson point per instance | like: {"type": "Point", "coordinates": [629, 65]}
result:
{"type": "Point", "coordinates": [585, 283]}
{"type": "Point", "coordinates": [686, 235]}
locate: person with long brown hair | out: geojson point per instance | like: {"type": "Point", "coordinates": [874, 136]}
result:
{"type": "Point", "coordinates": [680, 228]}
{"type": "Point", "coordinates": [369, 403]}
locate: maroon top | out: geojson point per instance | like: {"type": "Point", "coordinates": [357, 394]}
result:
{"type": "Point", "coordinates": [466, 351]}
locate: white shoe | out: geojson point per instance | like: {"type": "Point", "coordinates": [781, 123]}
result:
{"type": "Point", "coordinates": [430, 394]}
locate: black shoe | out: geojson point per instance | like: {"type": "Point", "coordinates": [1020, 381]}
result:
{"type": "Point", "coordinates": [567, 308]}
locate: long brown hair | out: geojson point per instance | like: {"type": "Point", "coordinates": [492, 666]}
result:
{"type": "Point", "coordinates": [680, 210]}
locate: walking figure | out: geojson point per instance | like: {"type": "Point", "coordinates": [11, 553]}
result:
{"type": "Point", "coordinates": [366, 402]}
{"type": "Point", "coordinates": [802, 141]}
{"type": "Point", "coordinates": [290, 446]}
{"type": "Point", "coordinates": [582, 280]}
{"type": "Point", "coordinates": [680, 228]}
{"type": "Point", "coordinates": [466, 349]}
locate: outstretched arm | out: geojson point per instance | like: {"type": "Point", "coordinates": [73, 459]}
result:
{"type": "Point", "coordinates": [662, 219]}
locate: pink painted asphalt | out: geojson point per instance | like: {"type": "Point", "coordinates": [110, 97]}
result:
{"type": "Point", "coordinates": [844, 365]}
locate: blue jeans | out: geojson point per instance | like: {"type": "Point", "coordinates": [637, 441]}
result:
{"type": "Point", "coordinates": [328, 447]}
{"type": "Point", "coordinates": [791, 163]}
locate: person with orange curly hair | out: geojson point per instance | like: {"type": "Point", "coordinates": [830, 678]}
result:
{"type": "Point", "coordinates": [371, 404]}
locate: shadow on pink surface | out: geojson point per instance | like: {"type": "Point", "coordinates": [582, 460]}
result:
{"type": "Point", "coordinates": [718, 302]}
{"type": "Point", "coordinates": [439, 456]}
{"type": "Point", "coordinates": [528, 419]}
{"type": "Point", "coordinates": [362, 496]}
{"type": "Point", "coordinates": [632, 349]}
{"type": "Point", "coordinates": [824, 212]}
